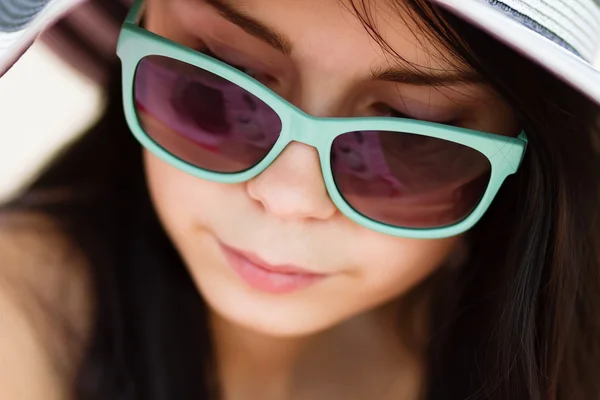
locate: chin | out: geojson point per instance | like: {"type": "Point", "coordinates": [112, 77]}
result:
{"type": "Point", "coordinates": [301, 313]}
{"type": "Point", "coordinates": [271, 315]}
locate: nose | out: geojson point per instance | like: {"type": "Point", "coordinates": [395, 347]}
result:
{"type": "Point", "coordinates": [292, 188]}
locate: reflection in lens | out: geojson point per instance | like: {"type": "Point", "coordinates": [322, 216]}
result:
{"type": "Point", "coordinates": [408, 180]}
{"type": "Point", "coordinates": [202, 118]}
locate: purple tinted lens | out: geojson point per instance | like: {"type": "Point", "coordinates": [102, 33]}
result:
{"type": "Point", "coordinates": [202, 118]}
{"type": "Point", "coordinates": [408, 180]}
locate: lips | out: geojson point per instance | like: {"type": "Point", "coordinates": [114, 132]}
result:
{"type": "Point", "coordinates": [265, 277]}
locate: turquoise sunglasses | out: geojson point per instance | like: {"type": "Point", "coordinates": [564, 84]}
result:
{"type": "Point", "coordinates": [396, 176]}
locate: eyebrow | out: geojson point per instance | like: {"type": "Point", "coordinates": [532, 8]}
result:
{"type": "Point", "coordinates": [399, 75]}
{"type": "Point", "coordinates": [433, 77]}
{"type": "Point", "coordinates": [252, 26]}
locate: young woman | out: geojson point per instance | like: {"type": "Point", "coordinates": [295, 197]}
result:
{"type": "Point", "coordinates": [332, 200]}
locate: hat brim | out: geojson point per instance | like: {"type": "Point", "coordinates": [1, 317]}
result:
{"type": "Point", "coordinates": [565, 65]}
{"type": "Point", "coordinates": [15, 42]}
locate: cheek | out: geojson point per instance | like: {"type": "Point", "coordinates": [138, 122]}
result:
{"type": "Point", "coordinates": [390, 267]}
{"type": "Point", "coordinates": [180, 199]}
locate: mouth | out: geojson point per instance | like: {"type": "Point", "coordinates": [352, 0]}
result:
{"type": "Point", "coordinates": [265, 277]}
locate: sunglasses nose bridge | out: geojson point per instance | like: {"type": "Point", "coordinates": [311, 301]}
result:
{"type": "Point", "coordinates": [305, 129]}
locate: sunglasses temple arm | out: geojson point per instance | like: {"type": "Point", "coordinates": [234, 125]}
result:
{"type": "Point", "coordinates": [135, 13]}
{"type": "Point", "coordinates": [525, 142]}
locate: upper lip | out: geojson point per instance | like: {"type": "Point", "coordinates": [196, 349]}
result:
{"type": "Point", "coordinates": [280, 269]}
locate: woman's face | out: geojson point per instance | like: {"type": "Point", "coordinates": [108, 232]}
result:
{"type": "Point", "coordinates": [321, 59]}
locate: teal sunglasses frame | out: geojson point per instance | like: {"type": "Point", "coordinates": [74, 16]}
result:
{"type": "Point", "coordinates": [135, 43]}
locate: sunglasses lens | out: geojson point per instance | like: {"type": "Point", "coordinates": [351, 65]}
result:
{"type": "Point", "coordinates": [408, 180]}
{"type": "Point", "coordinates": [201, 118]}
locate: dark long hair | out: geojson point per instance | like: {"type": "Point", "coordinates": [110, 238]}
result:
{"type": "Point", "coordinates": [520, 321]}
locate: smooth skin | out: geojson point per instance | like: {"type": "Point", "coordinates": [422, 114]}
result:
{"type": "Point", "coordinates": [296, 346]}
{"type": "Point", "coordinates": [348, 336]}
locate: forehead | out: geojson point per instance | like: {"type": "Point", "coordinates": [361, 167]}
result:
{"type": "Point", "coordinates": [351, 32]}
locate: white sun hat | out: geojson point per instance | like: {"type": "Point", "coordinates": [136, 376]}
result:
{"type": "Point", "coordinates": [561, 35]}
{"type": "Point", "coordinates": [21, 21]}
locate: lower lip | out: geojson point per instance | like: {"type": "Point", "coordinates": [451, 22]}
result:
{"type": "Point", "coordinates": [267, 281]}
